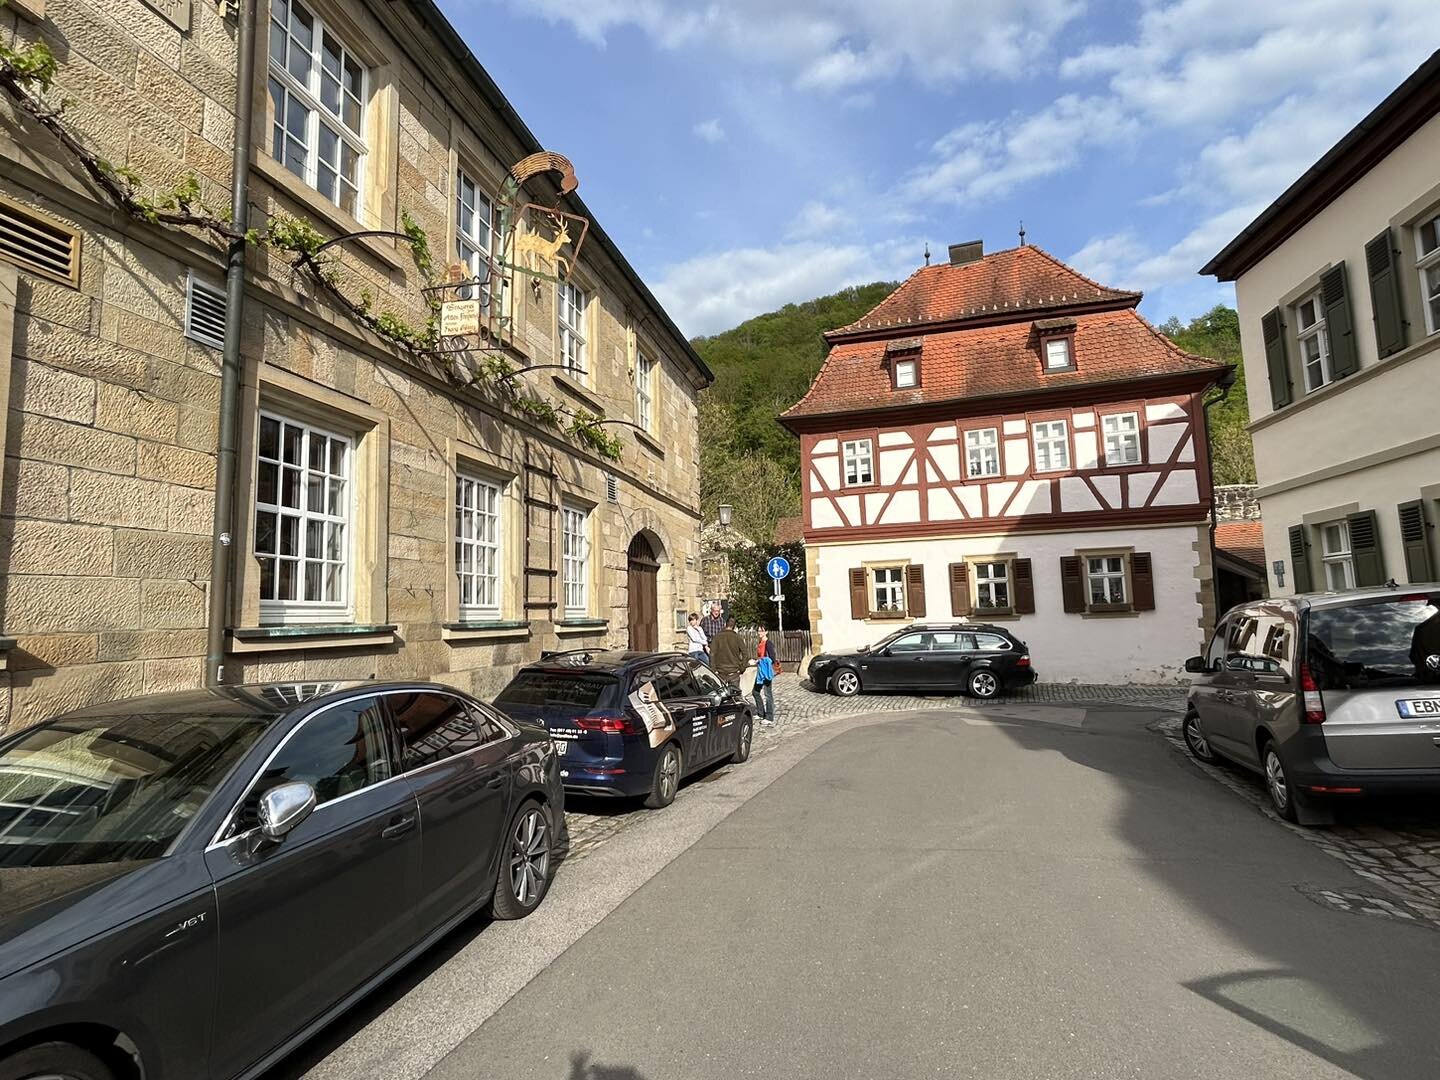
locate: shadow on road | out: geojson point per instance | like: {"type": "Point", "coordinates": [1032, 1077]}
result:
{"type": "Point", "coordinates": [1354, 990]}
{"type": "Point", "coordinates": [581, 1068]}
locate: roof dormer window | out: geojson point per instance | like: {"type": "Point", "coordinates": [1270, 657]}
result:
{"type": "Point", "coordinates": [907, 374]}
{"type": "Point", "coordinates": [1057, 344]}
{"type": "Point", "coordinates": [1057, 355]}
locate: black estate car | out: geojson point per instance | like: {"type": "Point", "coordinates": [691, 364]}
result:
{"type": "Point", "coordinates": [976, 658]}
{"type": "Point", "coordinates": [192, 883]}
{"type": "Point", "coordinates": [631, 723]}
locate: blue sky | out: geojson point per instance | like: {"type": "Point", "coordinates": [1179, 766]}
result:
{"type": "Point", "coordinates": [757, 152]}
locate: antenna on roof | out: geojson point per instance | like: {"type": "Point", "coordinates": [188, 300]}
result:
{"type": "Point", "coordinates": [1022, 234]}
{"type": "Point", "coordinates": [927, 252]}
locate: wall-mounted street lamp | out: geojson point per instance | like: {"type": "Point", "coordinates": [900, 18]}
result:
{"type": "Point", "coordinates": [725, 510]}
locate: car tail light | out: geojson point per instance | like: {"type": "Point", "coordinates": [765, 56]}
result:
{"type": "Point", "coordinates": [609, 723]}
{"type": "Point", "coordinates": [1024, 661]}
{"type": "Point", "coordinates": [1310, 690]}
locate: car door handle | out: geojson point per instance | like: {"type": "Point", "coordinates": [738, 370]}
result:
{"type": "Point", "coordinates": [398, 827]}
{"type": "Point", "coordinates": [495, 781]}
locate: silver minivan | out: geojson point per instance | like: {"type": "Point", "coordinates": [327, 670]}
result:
{"type": "Point", "coordinates": [1325, 694]}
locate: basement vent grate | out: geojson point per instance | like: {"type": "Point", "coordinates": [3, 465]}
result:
{"type": "Point", "coordinates": [39, 245]}
{"type": "Point", "coordinates": [612, 488]}
{"type": "Point", "coordinates": [205, 306]}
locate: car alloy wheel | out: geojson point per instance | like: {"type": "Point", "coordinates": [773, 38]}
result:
{"type": "Point", "coordinates": [1278, 784]}
{"type": "Point", "coordinates": [1195, 739]}
{"type": "Point", "coordinates": [847, 683]}
{"type": "Point", "coordinates": [983, 684]}
{"type": "Point", "coordinates": [667, 779]}
{"type": "Point", "coordinates": [529, 857]}
{"type": "Point", "coordinates": [747, 732]}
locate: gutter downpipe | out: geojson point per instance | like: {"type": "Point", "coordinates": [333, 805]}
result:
{"type": "Point", "coordinates": [1223, 384]}
{"type": "Point", "coordinates": [226, 457]}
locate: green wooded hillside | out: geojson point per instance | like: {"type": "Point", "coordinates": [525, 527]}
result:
{"type": "Point", "coordinates": [764, 365]}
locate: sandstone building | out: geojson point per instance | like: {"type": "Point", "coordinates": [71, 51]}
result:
{"type": "Point", "coordinates": [394, 517]}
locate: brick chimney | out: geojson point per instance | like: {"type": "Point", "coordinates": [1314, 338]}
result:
{"type": "Point", "coordinates": [968, 252]}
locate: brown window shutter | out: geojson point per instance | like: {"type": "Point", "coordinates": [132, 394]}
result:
{"type": "Point", "coordinates": [1365, 548]}
{"type": "Point", "coordinates": [1385, 294]}
{"type": "Point", "coordinates": [859, 595]}
{"type": "Point", "coordinates": [1415, 541]}
{"type": "Point", "coordinates": [1023, 590]}
{"type": "Point", "coordinates": [959, 589]}
{"type": "Point", "coordinates": [1142, 581]}
{"type": "Point", "coordinates": [1276, 366]}
{"type": "Point", "coordinates": [1300, 558]}
{"type": "Point", "coordinates": [915, 591]}
{"type": "Point", "coordinates": [1339, 327]}
{"type": "Point", "coordinates": [1072, 583]}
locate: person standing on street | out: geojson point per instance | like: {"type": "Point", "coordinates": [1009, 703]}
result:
{"type": "Point", "coordinates": [767, 666]}
{"type": "Point", "coordinates": [727, 654]}
{"type": "Point", "coordinates": [699, 642]}
{"type": "Point", "coordinates": [714, 622]}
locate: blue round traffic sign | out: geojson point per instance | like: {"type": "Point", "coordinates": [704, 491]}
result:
{"type": "Point", "coordinates": [778, 567]}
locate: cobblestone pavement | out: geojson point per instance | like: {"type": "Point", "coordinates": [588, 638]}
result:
{"type": "Point", "coordinates": [593, 821]}
{"type": "Point", "coordinates": [1395, 844]}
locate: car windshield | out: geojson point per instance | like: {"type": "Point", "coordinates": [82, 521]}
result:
{"type": "Point", "coordinates": [1385, 643]}
{"type": "Point", "coordinates": [552, 689]}
{"type": "Point", "coordinates": [111, 789]}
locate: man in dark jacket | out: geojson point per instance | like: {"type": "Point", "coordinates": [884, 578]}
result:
{"type": "Point", "coordinates": [728, 654]}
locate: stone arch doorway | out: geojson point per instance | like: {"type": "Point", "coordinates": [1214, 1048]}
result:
{"type": "Point", "coordinates": [642, 574]}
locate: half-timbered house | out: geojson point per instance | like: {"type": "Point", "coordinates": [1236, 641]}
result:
{"type": "Point", "coordinates": [1003, 439]}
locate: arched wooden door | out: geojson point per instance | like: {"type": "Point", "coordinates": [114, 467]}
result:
{"type": "Point", "coordinates": [644, 569]}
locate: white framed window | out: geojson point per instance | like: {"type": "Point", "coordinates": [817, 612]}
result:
{"type": "Point", "coordinates": [1314, 341]}
{"type": "Point", "coordinates": [1105, 580]}
{"type": "Point", "coordinates": [644, 391]}
{"type": "Point", "coordinates": [303, 515]}
{"type": "Point", "coordinates": [992, 586]}
{"type": "Point", "coordinates": [1427, 251]}
{"type": "Point", "coordinates": [1336, 556]}
{"type": "Point", "coordinates": [575, 560]}
{"type": "Point", "coordinates": [907, 374]}
{"type": "Point", "coordinates": [1057, 354]}
{"type": "Point", "coordinates": [571, 304]}
{"type": "Point", "coordinates": [1052, 445]}
{"type": "Point", "coordinates": [888, 589]}
{"type": "Point", "coordinates": [982, 452]}
{"type": "Point", "coordinates": [479, 547]}
{"type": "Point", "coordinates": [859, 462]}
{"type": "Point", "coordinates": [477, 232]}
{"type": "Point", "coordinates": [1122, 438]}
{"type": "Point", "coordinates": [317, 89]}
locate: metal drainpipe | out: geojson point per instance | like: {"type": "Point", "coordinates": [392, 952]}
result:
{"type": "Point", "coordinates": [1225, 382]}
{"type": "Point", "coordinates": [226, 458]}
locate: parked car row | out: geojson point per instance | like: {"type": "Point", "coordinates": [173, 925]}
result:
{"type": "Point", "coordinates": [193, 883]}
{"type": "Point", "coordinates": [1329, 695]}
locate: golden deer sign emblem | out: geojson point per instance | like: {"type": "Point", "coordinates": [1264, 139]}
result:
{"type": "Point", "coordinates": [531, 246]}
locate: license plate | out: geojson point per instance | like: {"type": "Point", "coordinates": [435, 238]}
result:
{"type": "Point", "coordinates": [1419, 707]}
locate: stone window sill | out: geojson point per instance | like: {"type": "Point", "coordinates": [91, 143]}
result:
{"type": "Point", "coordinates": [6, 644]}
{"type": "Point", "coordinates": [1112, 613]}
{"type": "Point", "coordinates": [33, 8]}
{"type": "Point", "coordinates": [327, 212]}
{"type": "Point", "coordinates": [645, 439]}
{"type": "Point", "coordinates": [255, 639]}
{"type": "Point", "coordinates": [582, 393]}
{"type": "Point", "coordinates": [581, 626]}
{"type": "Point", "coordinates": [489, 630]}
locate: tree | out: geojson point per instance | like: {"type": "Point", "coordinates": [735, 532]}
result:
{"type": "Point", "coordinates": [1216, 334]}
{"type": "Point", "coordinates": [751, 587]}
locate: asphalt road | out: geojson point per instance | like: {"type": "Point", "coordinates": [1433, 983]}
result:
{"type": "Point", "coordinates": [1057, 894]}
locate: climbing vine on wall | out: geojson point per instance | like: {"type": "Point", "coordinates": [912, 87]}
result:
{"type": "Point", "coordinates": [27, 76]}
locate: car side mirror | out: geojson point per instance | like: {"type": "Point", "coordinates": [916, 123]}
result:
{"type": "Point", "coordinates": [1196, 665]}
{"type": "Point", "coordinates": [284, 807]}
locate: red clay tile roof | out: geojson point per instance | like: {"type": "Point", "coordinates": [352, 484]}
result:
{"type": "Point", "coordinates": [790, 530]}
{"type": "Point", "coordinates": [1020, 279]}
{"type": "Point", "coordinates": [1242, 539]}
{"type": "Point", "coordinates": [985, 361]}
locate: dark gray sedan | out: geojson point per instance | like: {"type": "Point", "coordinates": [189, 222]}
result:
{"type": "Point", "coordinates": [192, 883]}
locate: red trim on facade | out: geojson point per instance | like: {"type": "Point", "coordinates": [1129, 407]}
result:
{"type": "Point", "coordinates": [1195, 514]}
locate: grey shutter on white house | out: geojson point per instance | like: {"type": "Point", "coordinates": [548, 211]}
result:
{"type": "Point", "coordinates": [1415, 540]}
{"type": "Point", "coordinates": [1340, 327]}
{"type": "Point", "coordinates": [1273, 331]}
{"type": "Point", "coordinates": [1365, 548]}
{"type": "Point", "coordinates": [1300, 558]}
{"type": "Point", "coordinates": [1385, 294]}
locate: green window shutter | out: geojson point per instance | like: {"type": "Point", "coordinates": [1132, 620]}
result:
{"type": "Point", "coordinates": [1415, 540]}
{"type": "Point", "coordinates": [1365, 548]}
{"type": "Point", "coordinates": [1300, 559]}
{"type": "Point", "coordinates": [1335, 297]}
{"type": "Point", "coordinates": [1273, 331]}
{"type": "Point", "coordinates": [1385, 294]}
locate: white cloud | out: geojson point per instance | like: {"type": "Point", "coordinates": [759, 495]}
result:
{"type": "Point", "coordinates": [818, 219]}
{"type": "Point", "coordinates": [709, 131]}
{"type": "Point", "coordinates": [714, 292]}
{"type": "Point", "coordinates": [837, 45]}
